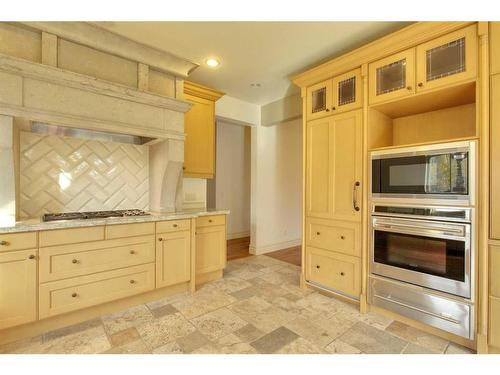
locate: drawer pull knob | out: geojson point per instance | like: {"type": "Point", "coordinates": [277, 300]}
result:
{"type": "Point", "coordinates": [132, 281]}
{"type": "Point", "coordinates": [317, 266]}
{"type": "Point", "coordinates": [327, 110]}
{"type": "Point", "coordinates": [420, 84]}
{"type": "Point", "coordinates": [209, 220]}
{"type": "Point", "coordinates": [342, 237]}
{"type": "Point", "coordinates": [175, 225]}
{"type": "Point", "coordinates": [4, 243]}
{"type": "Point", "coordinates": [132, 252]}
{"type": "Point", "coordinates": [342, 274]}
{"type": "Point", "coordinates": [334, 108]}
{"type": "Point", "coordinates": [32, 256]}
{"type": "Point", "coordinates": [160, 239]}
{"type": "Point", "coordinates": [409, 88]}
{"type": "Point", "coordinates": [318, 233]}
{"type": "Point", "coordinates": [74, 295]}
{"type": "Point", "coordinates": [74, 261]}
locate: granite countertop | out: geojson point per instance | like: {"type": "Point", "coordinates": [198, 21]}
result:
{"type": "Point", "coordinates": [37, 224]}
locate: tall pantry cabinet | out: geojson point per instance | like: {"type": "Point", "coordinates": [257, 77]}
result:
{"type": "Point", "coordinates": [333, 183]}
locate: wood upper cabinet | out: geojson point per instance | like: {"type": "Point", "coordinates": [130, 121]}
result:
{"type": "Point", "coordinates": [173, 258]}
{"type": "Point", "coordinates": [18, 287]}
{"type": "Point", "coordinates": [333, 166]}
{"type": "Point", "coordinates": [440, 62]}
{"type": "Point", "coordinates": [199, 125]}
{"type": "Point", "coordinates": [392, 77]}
{"type": "Point", "coordinates": [494, 39]}
{"type": "Point", "coordinates": [340, 94]}
{"type": "Point", "coordinates": [495, 158]}
{"type": "Point", "coordinates": [447, 60]}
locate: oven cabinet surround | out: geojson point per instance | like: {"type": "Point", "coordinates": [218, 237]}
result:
{"type": "Point", "coordinates": [199, 123]}
{"type": "Point", "coordinates": [340, 94]}
{"type": "Point", "coordinates": [333, 199]}
{"type": "Point", "coordinates": [444, 61]}
{"type": "Point", "coordinates": [53, 276]}
{"type": "Point", "coordinates": [415, 83]}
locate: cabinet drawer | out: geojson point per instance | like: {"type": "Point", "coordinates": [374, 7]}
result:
{"type": "Point", "coordinates": [494, 267]}
{"type": "Point", "coordinates": [208, 221]}
{"type": "Point", "coordinates": [129, 230]}
{"type": "Point", "coordinates": [332, 270]}
{"type": "Point", "coordinates": [73, 235]}
{"type": "Point", "coordinates": [172, 225]}
{"type": "Point", "coordinates": [339, 236]}
{"type": "Point", "coordinates": [62, 296]}
{"type": "Point", "coordinates": [18, 241]}
{"type": "Point", "coordinates": [62, 262]}
{"type": "Point", "coordinates": [494, 336]}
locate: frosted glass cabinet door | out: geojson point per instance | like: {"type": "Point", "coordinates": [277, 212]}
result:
{"type": "Point", "coordinates": [446, 60]}
{"type": "Point", "coordinates": [319, 100]}
{"type": "Point", "coordinates": [347, 93]}
{"type": "Point", "coordinates": [392, 77]}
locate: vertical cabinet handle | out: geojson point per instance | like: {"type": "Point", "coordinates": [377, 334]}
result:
{"type": "Point", "coordinates": [355, 196]}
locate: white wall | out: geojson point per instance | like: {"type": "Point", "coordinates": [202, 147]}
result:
{"type": "Point", "coordinates": [232, 182]}
{"type": "Point", "coordinates": [276, 187]}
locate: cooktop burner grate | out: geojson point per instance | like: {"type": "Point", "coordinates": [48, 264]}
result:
{"type": "Point", "coordinates": [92, 215]}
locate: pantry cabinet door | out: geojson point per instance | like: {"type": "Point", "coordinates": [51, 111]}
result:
{"type": "Point", "coordinates": [392, 77]}
{"type": "Point", "coordinates": [347, 93]}
{"type": "Point", "coordinates": [447, 60]}
{"type": "Point", "coordinates": [495, 158]}
{"type": "Point", "coordinates": [18, 288]}
{"type": "Point", "coordinates": [319, 100]}
{"type": "Point", "coordinates": [346, 134]}
{"type": "Point", "coordinates": [318, 168]}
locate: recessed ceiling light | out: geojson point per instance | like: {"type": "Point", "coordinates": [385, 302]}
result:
{"type": "Point", "coordinates": [211, 62]}
{"type": "Point", "coordinates": [255, 84]}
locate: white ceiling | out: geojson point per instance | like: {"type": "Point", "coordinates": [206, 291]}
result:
{"type": "Point", "coordinates": [253, 52]}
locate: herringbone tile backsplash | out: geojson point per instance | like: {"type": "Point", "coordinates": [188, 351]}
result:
{"type": "Point", "coordinates": [62, 174]}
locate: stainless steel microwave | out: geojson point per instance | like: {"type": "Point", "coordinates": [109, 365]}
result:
{"type": "Point", "coordinates": [439, 171]}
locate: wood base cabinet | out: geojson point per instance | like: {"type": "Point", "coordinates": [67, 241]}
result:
{"type": "Point", "coordinates": [210, 244]}
{"type": "Point", "coordinates": [173, 258]}
{"type": "Point", "coordinates": [18, 287]}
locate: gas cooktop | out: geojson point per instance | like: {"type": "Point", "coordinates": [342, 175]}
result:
{"type": "Point", "coordinates": [92, 215]}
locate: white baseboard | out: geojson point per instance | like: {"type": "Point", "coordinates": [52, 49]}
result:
{"type": "Point", "coordinates": [274, 247]}
{"type": "Point", "coordinates": [232, 236]}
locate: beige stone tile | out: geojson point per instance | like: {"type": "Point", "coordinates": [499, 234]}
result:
{"type": "Point", "coordinates": [418, 337]}
{"type": "Point", "coordinates": [163, 310]}
{"type": "Point", "coordinates": [218, 323]}
{"type": "Point", "coordinates": [300, 346]}
{"type": "Point", "coordinates": [245, 293]}
{"type": "Point", "coordinates": [167, 300]}
{"type": "Point", "coordinates": [22, 346]}
{"type": "Point", "coordinates": [128, 318]}
{"type": "Point", "coordinates": [169, 348]}
{"type": "Point", "coordinates": [308, 329]}
{"type": "Point", "coordinates": [90, 341]}
{"type": "Point", "coordinates": [228, 285]}
{"type": "Point", "coordinates": [192, 342]}
{"type": "Point", "coordinates": [317, 306]}
{"type": "Point", "coordinates": [340, 347]}
{"type": "Point", "coordinates": [248, 333]}
{"type": "Point", "coordinates": [268, 319]}
{"type": "Point", "coordinates": [375, 320]}
{"type": "Point", "coordinates": [208, 349]}
{"type": "Point", "coordinates": [161, 331]}
{"type": "Point", "coordinates": [372, 340]}
{"type": "Point", "coordinates": [232, 344]}
{"type": "Point", "coordinates": [457, 349]}
{"type": "Point", "coordinates": [133, 347]}
{"type": "Point", "coordinates": [124, 337]}
{"type": "Point", "coordinates": [202, 303]}
{"type": "Point", "coordinates": [274, 341]}
{"type": "Point", "coordinates": [416, 349]}
{"type": "Point", "coordinates": [249, 306]}
{"type": "Point", "coordinates": [75, 328]}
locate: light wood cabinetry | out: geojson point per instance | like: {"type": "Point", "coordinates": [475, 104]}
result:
{"type": "Point", "coordinates": [18, 287]}
{"type": "Point", "coordinates": [210, 244]}
{"type": "Point", "coordinates": [73, 235]}
{"type": "Point", "coordinates": [494, 47]}
{"type": "Point", "coordinates": [340, 94]}
{"type": "Point", "coordinates": [333, 166]}
{"type": "Point", "coordinates": [441, 62]}
{"type": "Point", "coordinates": [340, 236]}
{"type": "Point", "coordinates": [173, 258]}
{"type": "Point", "coordinates": [18, 241]}
{"type": "Point", "coordinates": [495, 157]}
{"type": "Point", "coordinates": [199, 125]}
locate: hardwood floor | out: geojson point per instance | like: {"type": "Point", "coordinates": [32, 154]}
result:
{"type": "Point", "coordinates": [291, 255]}
{"type": "Point", "coordinates": [238, 248]}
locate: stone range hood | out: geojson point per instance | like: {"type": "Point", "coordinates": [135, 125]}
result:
{"type": "Point", "coordinates": [54, 96]}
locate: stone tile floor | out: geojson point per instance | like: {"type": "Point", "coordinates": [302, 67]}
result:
{"type": "Point", "coordinates": [257, 308]}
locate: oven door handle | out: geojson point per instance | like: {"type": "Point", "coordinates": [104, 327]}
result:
{"type": "Point", "coordinates": [403, 304]}
{"type": "Point", "coordinates": [430, 230]}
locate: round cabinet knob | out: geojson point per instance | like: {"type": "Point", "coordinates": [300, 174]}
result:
{"type": "Point", "coordinates": [132, 281]}
{"type": "Point", "coordinates": [175, 225]}
{"type": "Point", "coordinates": [183, 168]}
{"type": "Point", "coordinates": [318, 233]}
{"type": "Point", "coordinates": [160, 239]}
{"type": "Point", "coordinates": [74, 261]}
{"type": "Point", "coordinates": [74, 295]}
{"type": "Point", "coordinates": [420, 84]}
{"type": "Point", "coordinates": [342, 274]}
{"type": "Point", "coordinates": [317, 267]}
{"type": "Point", "coordinates": [327, 110]}
{"type": "Point", "coordinates": [334, 108]}
{"type": "Point", "coordinates": [409, 88]}
{"type": "Point", "coordinates": [4, 243]}
{"type": "Point", "coordinates": [342, 237]}
{"type": "Point", "coordinates": [210, 220]}
{"type": "Point", "coordinates": [132, 252]}
{"type": "Point", "coordinates": [32, 256]}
